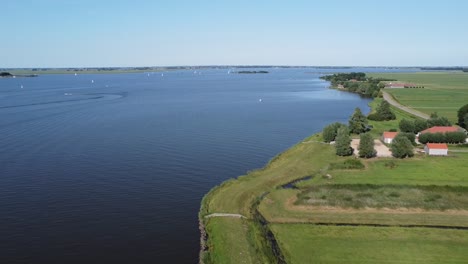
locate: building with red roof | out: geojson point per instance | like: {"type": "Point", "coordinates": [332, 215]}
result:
{"type": "Point", "coordinates": [436, 149]}
{"type": "Point", "coordinates": [389, 136]}
{"type": "Point", "coordinates": [440, 129]}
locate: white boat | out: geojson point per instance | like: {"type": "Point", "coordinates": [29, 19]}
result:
{"type": "Point", "coordinates": [22, 87]}
{"type": "Point", "coordinates": [92, 81]}
{"type": "Point", "coordinates": [76, 74]}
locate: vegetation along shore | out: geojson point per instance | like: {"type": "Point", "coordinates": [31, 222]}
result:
{"type": "Point", "coordinates": [327, 200]}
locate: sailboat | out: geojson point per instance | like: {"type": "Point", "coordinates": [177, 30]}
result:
{"type": "Point", "coordinates": [92, 81]}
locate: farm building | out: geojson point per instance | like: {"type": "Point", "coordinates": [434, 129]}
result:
{"type": "Point", "coordinates": [440, 129]}
{"type": "Point", "coordinates": [389, 136]}
{"type": "Point", "coordinates": [399, 85]}
{"type": "Point", "coordinates": [436, 149]}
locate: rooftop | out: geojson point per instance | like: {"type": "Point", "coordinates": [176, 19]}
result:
{"type": "Point", "coordinates": [437, 146]}
{"type": "Point", "coordinates": [390, 134]}
{"type": "Point", "coordinates": [440, 129]}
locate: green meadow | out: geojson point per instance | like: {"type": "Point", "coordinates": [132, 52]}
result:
{"type": "Point", "coordinates": [305, 243]}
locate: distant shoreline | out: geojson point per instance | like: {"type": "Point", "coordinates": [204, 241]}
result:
{"type": "Point", "coordinates": [117, 70]}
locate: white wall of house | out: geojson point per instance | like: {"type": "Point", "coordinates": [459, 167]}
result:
{"type": "Point", "coordinates": [436, 152]}
{"type": "Point", "coordinates": [388, 140]}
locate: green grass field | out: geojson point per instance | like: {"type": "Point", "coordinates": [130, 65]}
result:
{"type": "Point", "coordinates": [302, 243]}
{"type": "Point", "coordinates": [444, 92]}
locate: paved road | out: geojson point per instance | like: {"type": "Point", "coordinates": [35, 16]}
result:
{"type": "Point", "coordinates": [225, 215]}
{"type": "Point", "coordinates": [387, 97]}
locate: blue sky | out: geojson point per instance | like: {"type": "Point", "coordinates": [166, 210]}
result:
{"type": "Point", "coordinates": [53, 33]}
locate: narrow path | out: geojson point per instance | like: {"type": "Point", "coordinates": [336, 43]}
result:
{"type": "Point", "coordinates": [225, 215]}
{"type": "Point", "coordinates": [389, 98]}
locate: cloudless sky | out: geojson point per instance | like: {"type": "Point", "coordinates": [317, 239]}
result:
{"type": "Point", "coordinates": [58, 33]}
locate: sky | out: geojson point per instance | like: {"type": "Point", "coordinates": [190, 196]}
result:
{"type": "Point", "coordinates": [91, 33]}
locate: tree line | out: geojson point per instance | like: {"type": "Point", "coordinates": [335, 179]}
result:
{"type": "Point", "coordinates": [357, 82]}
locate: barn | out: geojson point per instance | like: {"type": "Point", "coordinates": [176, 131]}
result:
{"type": "Point", "coordinates": [389, 136]}
{"type": "Point", "coordinates": [436, 149]}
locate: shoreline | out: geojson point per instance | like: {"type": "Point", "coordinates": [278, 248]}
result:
{"type": "Point", "coordinates": [223, 240]}
{"type": "Point", "coordinates": [260, 237]}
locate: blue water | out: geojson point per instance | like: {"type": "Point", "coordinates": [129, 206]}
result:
{"type": "Point", "coordinates": [113, 171]}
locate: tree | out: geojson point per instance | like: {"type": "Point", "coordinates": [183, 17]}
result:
{"type": "Point", "coordinates": [466, 121]}
{"type": "Point", "coordinates": [455, 137]}
{"type": "Point", "coordinates": [410, 136]}
{"type": "Point", "coordinates": [384, 112]}
{"type": "Point", "coordinates": [343, 141]}
{"type": "Point", "coordinates": [406, 125]}
{"type": "Point", "coordinates": [358, 122]}
{"type": "Point", "coordinates": [462, 115]}
{"type": "Point", "coordinates": [438, 121]}
{"type": "Point", "coordinates": [401, 147]}
{"type": "Point", "coordinates": [366, 146]}
{"type": "Point", "coordinates": [329, 132]}
{"type": "Point", "coordinates": [419, 125]}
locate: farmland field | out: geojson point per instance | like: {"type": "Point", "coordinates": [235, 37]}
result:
{"type": "Point", "coordinates": [444, 92]}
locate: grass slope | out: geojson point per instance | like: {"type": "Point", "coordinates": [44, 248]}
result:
{"type": "Point", "coordinates": [239, 195]}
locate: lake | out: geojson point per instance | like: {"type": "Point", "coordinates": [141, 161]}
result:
{"type": "Point", "coordinates": [111, 168]}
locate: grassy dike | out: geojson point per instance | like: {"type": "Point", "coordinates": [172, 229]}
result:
{"type": "Point", "coordinates": [246, 240]}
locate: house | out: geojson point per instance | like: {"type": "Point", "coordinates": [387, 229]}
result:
{"type": "Point", "coordinates": [440, 129]}
{"type": "Point", "coordinates": [399, 85]}
{"type": "Point", "coordinates": [436, 149]}
{"type": "Point", "coordinates": [389, 136]}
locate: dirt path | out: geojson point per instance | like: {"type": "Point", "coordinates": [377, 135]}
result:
{"type": "Point", "coordinates": [381, 148]}
{"type": "Point", "coordinates": [224, 215]}
{"type": "Point", "coordinates": [389, 98]}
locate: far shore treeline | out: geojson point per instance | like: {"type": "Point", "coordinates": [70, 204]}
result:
{"type": "Point", "coordinates": [357, 82]}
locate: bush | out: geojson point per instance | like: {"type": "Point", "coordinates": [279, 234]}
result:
{"type": "Point", "coordinates": [374, 117]}
{"type": "Point", "coordinates": [329, 132]}
{"type": "Point", "coordinates": [390, 164]}
{"type": "Point", "coordinates": [401, 147]}
{"type": "Point", "coordinates": [406, 125]}
{"type": "Point", "coordinates": [348, 164]}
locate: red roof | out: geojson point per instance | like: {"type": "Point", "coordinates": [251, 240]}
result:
{"type": "Point", "coordinates": [437, 146]}
{"type": "Point", "coordinates": [390, 134]}
{"type": "Point", "coordinates": [440, 129]}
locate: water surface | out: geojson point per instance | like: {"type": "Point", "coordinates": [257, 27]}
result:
{"type": "Point", "coordinates": [111, 168]}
